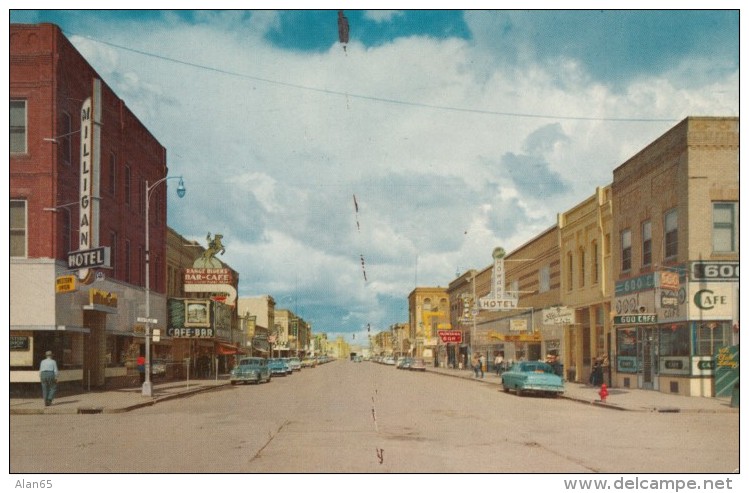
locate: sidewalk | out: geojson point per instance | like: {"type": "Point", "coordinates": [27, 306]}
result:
{"type": "Point", "coordinates": [114, 401]}
{"type": "Point", "coordinates": [619, 398]}
{"type": "Point", "coordinates": [124, 400]}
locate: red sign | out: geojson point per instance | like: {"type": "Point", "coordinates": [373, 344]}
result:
{"type": "Point", "coordinates": [450, 335]}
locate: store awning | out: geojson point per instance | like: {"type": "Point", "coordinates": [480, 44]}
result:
{"type": "Point", "coordinates": [227, 349]}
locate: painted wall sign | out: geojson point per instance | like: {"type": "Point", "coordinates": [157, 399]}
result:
{"type": "Point", "coordinates": [558, 315]}
{"type": "Point", "coordinates": [102, 298]}
{"type": "Point", "coordinates": [518, 325]}
{"type": "Point", "coordinates": [711, 300]}
{"type": "Point", "coordinates": [635, 284]}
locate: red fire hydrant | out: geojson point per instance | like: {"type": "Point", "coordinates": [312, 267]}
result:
{"type": "Point", "coordinates": [604, 392]}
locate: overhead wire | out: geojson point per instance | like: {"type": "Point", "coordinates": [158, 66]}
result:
{"type": "Point", "coordinates": [379, 99]}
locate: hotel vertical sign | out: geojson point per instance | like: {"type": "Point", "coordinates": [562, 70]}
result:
{"type": "Point", "coordinates": [87, 141]}
{"type": "Point", "coordinates": [88, 225]}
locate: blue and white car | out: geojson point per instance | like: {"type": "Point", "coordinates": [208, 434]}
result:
{"type": "Point", "coordinates": [252, 370]}
{"type": "Point", "coordinates": [532, 376]}
{"type": "Point", "coordinates": [278, 367]}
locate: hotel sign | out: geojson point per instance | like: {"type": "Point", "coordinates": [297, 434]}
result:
{"type": "Point", "coordinates": [498, 299]}
{"type": "Point", "coordinates": [87, 259]}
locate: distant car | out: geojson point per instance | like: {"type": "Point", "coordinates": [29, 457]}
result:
{"type": "Point", "coordinates": [357, 359]}
{"type": "Point", "coordinates": [278, 367]}
{"type": "Point", "coordinates": [254, 370]}
{"type": "Point", "coordinates": [294, 363]}
{"type": "Point", "coordinates": [389, 360]}
{"type": "Point", "coordinates": [532, 376]}
{"type": "Point", "coordinates": [417, 365]}
{"type": "Point", "coordinates": [404, 363]}
{"type": "Point", "coordinates": [309, 363]}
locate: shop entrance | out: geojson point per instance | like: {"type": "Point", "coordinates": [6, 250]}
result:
{"type": "Point", "coordinates": [648, 357]}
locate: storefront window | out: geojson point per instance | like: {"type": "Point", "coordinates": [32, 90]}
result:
{"type": "Point", "coordinates": [626, 342]}
{"type": "Point", "coordinates": [711, 336]}
{"type": "Point", "coordinates": [674, 340]}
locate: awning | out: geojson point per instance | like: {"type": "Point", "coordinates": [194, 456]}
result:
{"type": "Point", "coordinates": [226, 349]}
{"type": "Point", "coordinates": [65, 328]}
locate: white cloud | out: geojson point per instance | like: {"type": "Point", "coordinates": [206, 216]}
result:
{"type": "Point", "coordinates": [382, 15]}
{"type": "Point", "coordinates": [273, 145]}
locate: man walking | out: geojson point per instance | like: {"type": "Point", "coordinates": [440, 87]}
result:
{"type": "Point", "coordinates": [482, 362]}
{"type": "Point", "coordinates": [48, 376]}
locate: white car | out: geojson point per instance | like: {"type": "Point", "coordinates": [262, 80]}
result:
{"type": "Point", "coordinates": [389, 360]}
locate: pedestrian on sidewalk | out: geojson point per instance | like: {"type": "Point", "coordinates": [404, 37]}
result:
{"type": "Point", "coordinates": [498, 360]}
{"type": "Point", "coordinates": [141, 364]}
{"type": "Point", "coordinates": [475, 365]}
{"type": "Point", "coordinates": [48, 376]}
{"type": "Point", "coordinates": [482, 363]}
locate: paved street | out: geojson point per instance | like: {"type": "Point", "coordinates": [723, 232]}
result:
{"type": "Point", "coordinates": [365, 417]}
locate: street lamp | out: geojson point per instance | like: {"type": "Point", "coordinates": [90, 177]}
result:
{"type": "Point", "coordinates": [147, 390]}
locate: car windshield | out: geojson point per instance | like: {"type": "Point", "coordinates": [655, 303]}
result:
{"type": "Point", "coordinates": [536, 367]}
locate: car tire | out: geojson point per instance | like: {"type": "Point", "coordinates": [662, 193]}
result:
{"type": "Point", "coordinates": [506, 389]}
{"type": "Point", "coordinates": [520, 392]}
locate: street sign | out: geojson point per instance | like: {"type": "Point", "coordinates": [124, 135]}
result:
{"type": "Point", "coordinates": [156, 335]}
{"type": "Point", "coordinates": [144, 320]}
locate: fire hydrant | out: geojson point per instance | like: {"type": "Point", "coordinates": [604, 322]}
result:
{"type": "Point", "coordinates": [604, 392]}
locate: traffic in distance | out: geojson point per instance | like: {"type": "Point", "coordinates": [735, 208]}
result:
{"type": "Point", "coordinates": [259, 370]}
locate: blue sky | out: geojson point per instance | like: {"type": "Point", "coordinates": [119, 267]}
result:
{"type": "Point", "coordinates": [432, 119]}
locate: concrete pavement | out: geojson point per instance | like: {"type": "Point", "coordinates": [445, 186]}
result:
{"type": "Point", "coordinates": [123, 400]}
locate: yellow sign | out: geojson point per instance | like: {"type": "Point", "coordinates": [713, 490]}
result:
{"type": "Point", "coordinates": [101, 297]}
{"type": "Point", "coordinates": [65, 284]}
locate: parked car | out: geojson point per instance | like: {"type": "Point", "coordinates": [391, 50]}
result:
{"type": "Point", "coordinates": [253, 370]}
{"type": "Point", "coordinates": [404, 363]}
{"type": "Point", "coordinates": [278, 367]}
{"type": "Point", "coordinates": [309, 362]}
{"type": "Point", "coordinates": [389, 360]}
{"type": "Point", "coordinates": [294, 363]}
{"type": "Point", "coordinates": [417, 364]}
{"type": "Point", "coordinates": [532, 376]}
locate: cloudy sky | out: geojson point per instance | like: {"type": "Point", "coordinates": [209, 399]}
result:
{"type": "Point", "coordinates": [456, 131]}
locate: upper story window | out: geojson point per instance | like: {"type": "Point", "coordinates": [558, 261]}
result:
{"type": "Point", "coordinates": [626, 250]}
{"type": "Point", "coordinates": [544, 278]}
{"type": "Point", "coordinates": [582, 267]}
{"type": "Point", "coordinates": [647, 244]}
{"type": "Point", "coordinates": [594, 259]}
{"type": "Point", "coordinates": [18, 144]}
{"type": "Point", "coordinates": [671, 228]}
{"type": "Point", "coordinates": [724, 227]}
{"type": "Point", "coordinates": [18, 231]}
{"type": "Point", "coordinates": [570, 265]}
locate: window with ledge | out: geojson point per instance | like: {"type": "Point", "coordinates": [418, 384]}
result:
{"type": "Point", "coordinates": [544, 279]}
{"type": "Point", "coordinates": [647, 244]}
{"type": "Point", "coordinates": [18, 243]}
{"type": "Point", "coordinates": [582, 267]}
{"type": "Point", "coordinates": [724, 227]}
{"type": "Point", "coordinates": [671, 228]}
{"type": "Point", "coordinates": [18, 128]}
{"type": "Point", "coordinates": [594, 259]}
{"type": "Point", "coordinates": [570, 271]}
{"type": "Point", "coordinates": [626, 250]}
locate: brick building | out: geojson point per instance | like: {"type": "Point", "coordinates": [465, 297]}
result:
{"type": "Point", "coordinates": [79, 163]}
{"type": "Point", "coordinates": [675, 257]}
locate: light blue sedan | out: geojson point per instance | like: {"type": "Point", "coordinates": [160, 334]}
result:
{"type": "Point", "coordinates": [532, 376]}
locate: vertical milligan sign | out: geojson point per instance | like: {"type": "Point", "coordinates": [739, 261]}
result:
{"type": "Point", "coordinates": [84, 238]}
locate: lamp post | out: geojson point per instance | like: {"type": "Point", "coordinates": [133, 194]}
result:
{"type": "Point", "coordinates": [147, 389]}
